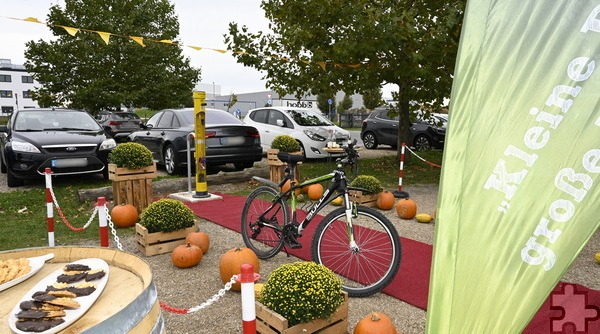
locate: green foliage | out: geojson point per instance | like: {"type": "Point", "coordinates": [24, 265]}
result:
{"type": "Point", "coordinates": [285, 143]}
{"type": "Point", "coordinates": [372, 98]}
{"type": "Point", "coordinates": [367, 182]}
{"type": "Point", "coordinates": [322, 102]}
{"type": "Point", "coordinates": [167, 215]}
{"type": "Point", "coordinates": [302, 292]}
{"type": "Point", "coordinates": [131, 155]}
{"type": "Point", "coordinates": [345, 104]}
{"type": "Point", "coordinates": [83, 72]}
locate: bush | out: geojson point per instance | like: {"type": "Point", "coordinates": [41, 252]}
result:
{"type": "Point", "coordinates": [167, 215]}
{"type": "Point", "coordinates": [367, 182]}
{"type": "Point", "coordinates": [285, 143]}
{"type": "Point", "coordinates": [131, 155]}
{"type": "Point", "coordinates": [302, 292]}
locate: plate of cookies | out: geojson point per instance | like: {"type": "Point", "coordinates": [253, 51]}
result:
{"type": "Point", "coordinates": [15, 271]}
{"type": "Point", "coordinates": [61, 298]}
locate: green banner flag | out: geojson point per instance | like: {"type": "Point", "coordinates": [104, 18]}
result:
{"type": "Point", "coordinates": [520, 182]}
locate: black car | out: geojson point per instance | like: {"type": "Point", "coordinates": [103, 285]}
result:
{"type": "Point", "coordinates": [64, 140]}
{"type": "Point", "coordinates": [380, 129]}
{"type": "Point", "coordinates": [119, 124]}
{"type": "Point", "coordinates": [228, 140]}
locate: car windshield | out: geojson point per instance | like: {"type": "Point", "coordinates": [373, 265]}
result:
{"type": "Point", "coordinates": [213, 117]}
{"type": "Point", "coordinates": [126, 116]}
{"type": "Point", "coordinates": [55, 120]}
{"type": "Point", "coordinates": [308, 118]}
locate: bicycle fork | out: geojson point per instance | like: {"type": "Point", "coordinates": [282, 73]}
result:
{"type": "Point", "coordinates": [350, 213]}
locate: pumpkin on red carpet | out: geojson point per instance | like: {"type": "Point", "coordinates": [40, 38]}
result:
{"type": "Point", "coordinates": [199, 239]}
{"type": "Point", "coordinates": [124, 215]}
{"type": "Point", "coordinates": [315, 191]}
{"type": "Point", "coordinates": [232, 261]}
{"type": "Point", "coordinates": [406, 208]}
{"type": "Point", "coordinates": [386, 200]}
{"type": "Point", "coordinates": [375, 323]}
{"type": "Point", "coordinates": [186, 256]}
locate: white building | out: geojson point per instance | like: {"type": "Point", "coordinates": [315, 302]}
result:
{"type": "Point", "coordinates": [15, 86]}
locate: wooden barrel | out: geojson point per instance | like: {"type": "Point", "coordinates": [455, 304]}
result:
{"type": "Point", "coordinates": [128, 304]}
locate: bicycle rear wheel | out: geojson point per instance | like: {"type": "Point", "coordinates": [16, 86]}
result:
{"type": "Point", "coordinates": [261, 230]}
{"type": "Point", "coordinates": [371, 266]}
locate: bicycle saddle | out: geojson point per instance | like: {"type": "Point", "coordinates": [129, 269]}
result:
{"type": "Point", "coordinates": [290, 158]}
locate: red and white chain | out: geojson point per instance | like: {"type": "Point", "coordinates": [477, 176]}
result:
{"type": "Point", "coordinates": [207, 303]}
{"type": "Point", "coordinates": [113, 231]}
{"type": "Point", "coordinates": [64, 219]}
{"type": "Point", "coordinates": [425, 161]}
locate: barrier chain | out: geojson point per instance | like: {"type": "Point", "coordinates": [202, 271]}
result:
{"type": "Point", "coordinates": [425, 161]}
{"type": "Point", "coordinates": [113, 231]}
{"type": "Point", "coordinates": [207, 303]}
{"type": "Point", "coordinates": [64, 219]}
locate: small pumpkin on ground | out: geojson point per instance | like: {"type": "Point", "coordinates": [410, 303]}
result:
{"type": "Point", "coordinates": [231, 262]}
{"type": "Point", "coordinates": [597, 257]}
{"type": "Point", "coordinates": [386, 200]}
{"type": "Point", "coordinates": [186, 256]}
{"type": "Point", "coordinates": [124, 215]}
{"type": "Point", "coordinates": [315, 191]}
{"type": "Point", "coordinates": [406, 208]}
{"type": "Point", "coordinates": [286, 186]}
{"type": "Point", "coordinates": [199, 239]}
{"type": "Point", "coordinates": [338, 201]}
{"type": "Point", "coordinates": [375, 323]}
{"type": "Point", "coordinates": [423, 217]}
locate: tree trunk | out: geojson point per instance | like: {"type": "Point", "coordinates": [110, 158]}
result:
{"type": "Point", "coordinates": [404, 130]}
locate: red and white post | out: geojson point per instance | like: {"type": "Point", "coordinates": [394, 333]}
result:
{"type": "Point", "coordinates": [103, 221]}
{"type": "Point", "coordinates": [399, 193]}
{"type": "Point", "coordinates": [49, 206]}
{"type": "Point", "coordinates": [247, 278]}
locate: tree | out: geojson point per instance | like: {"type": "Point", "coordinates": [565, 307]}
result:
{"type": "Point", "coordinates": [232, 101]}
{"type": "Point", "coordinates": [372, 98]}
{"type": "Point", "coordinates": [81, 71]}
{"type": "Point", "coordinates": [323, 102]}
{"type": "Point", "coordinates": [345, 104]}
{"type": "Point", "coordinates": [366, 44]}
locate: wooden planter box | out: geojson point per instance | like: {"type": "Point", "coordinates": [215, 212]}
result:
{"type": "Point", "coordinates": [277, 167]}
{"type": "Point", "coordinates": [269, 322]}
{"type": "Point", "coordinates": [358, 197]}
{"type": "Point", "coordinates": [158, 243]}
{"type": "Point", "coordinates": [132, 186]}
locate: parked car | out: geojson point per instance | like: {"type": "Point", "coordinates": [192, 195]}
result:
{"type": "Point", "coordinates": [380, 129]}
{"type": "Point", "coordinates": [310, 128]}
{"type": "Point", "coordinates": [228, 139]}
{"type": "Point", "coordinates": [67, 141]}
{"type": "Point", "coordinates": [119, 124]}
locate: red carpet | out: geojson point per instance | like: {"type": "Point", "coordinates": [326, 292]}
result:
{"type": "Point", "coordinates": [411, 284]}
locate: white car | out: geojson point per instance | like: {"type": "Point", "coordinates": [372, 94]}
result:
{"type": "Point", "coordinates": [311, 129]}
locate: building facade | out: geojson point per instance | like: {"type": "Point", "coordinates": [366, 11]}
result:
{"type": "Point", "coordinates": [15, 87]}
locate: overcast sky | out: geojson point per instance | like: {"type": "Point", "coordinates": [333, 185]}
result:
{"type": "Point", "coordinates": [202, 23]}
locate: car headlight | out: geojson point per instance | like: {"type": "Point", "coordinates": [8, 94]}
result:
{"type": "Point", "coordinates": [314, 136]}
{"type": "Point", "coordinates": [21, 146]}
{"type": "Point", "coordinates": [108, 144]}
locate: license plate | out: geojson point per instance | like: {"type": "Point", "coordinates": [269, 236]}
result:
{"type": "Point", "coordinates": [65, 163]}
{"type": "Point", "coordinates": [231, 141]}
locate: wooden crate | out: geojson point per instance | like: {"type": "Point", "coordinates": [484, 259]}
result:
{"type": "Point", "coordinates": [269, 322]}
{"type": "Point", "coordinates": [277, 167]}
{"type": "Point", "coordinates": [358, 197]}
{"type": "Point", "coordinates": [158, 243]}
{"type": "Point", "coordinates": [132, 186]}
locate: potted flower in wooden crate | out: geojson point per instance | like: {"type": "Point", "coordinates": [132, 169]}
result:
{"type": "Point", "coordinates": [163, 225]}
{"type": "Point", "coordinates": [131, 168]}
{"type": "Point", "coordinates": [302, 297]}
{"type": "Point", "coordinates": [281, 143]}
{"type": "Point", "coordinates": [368, 190]}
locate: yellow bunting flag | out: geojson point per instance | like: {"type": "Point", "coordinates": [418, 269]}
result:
{"type": "Point", "coordinates": [139, 40]}
{"type": "Point", "coordinates": [322, 64]}
{"type": "Point", "coordinates": [220, 50]}
{"type": "Point", "coordinates": [167, 41]}
{"type": "Point", "coordinates": [32, 19]}
{"type": "Point", "coordinates": [104, 35]}
{"type": "Point", "coordinates": [71, 31]}
{"type": "Point", "coordinates": [197, 48]}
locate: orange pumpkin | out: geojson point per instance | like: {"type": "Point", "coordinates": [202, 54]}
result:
{"type": "Point", "coordinates": [315, 191]}
{"type": "Point", "coordinates": [124, 215]}
{"type": "Point", "coordinates": [199, 239]}
{"type": "Point", "coordinates": [406, 208]}
{"type": "Point", "coordinates": [286, 187]}
{"type": "Point", "coordinates": [231, 262]}
{"type": "Point", "coordinates": [375, 323]}
{"type": "Point", "coordinates": [186, 256]}
{"type": "Point", "coordinates": [386, 200]}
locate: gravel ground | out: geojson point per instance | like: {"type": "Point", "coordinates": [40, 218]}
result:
{"type": "Point", "coordinates": [186, 288]}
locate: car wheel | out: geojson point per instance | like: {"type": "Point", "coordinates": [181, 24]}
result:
{"type": "Point", "coordinates": [13, 181]}
{"type": "Point", "coordinates": [242, 165]}
{"type": "Point", "coordinates": [370, 141]}
{"type": "Point", "coordinates": [422, 143]}
{"type": "Point", "coordinates": [171, 163]}
{"type": "Point", "coordinates": [302, 149]}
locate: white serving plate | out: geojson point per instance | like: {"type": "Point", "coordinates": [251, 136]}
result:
{"type": "Point", "coordinates": [85, 302]}
{"type": "Point", "coordinates": [36, 263]}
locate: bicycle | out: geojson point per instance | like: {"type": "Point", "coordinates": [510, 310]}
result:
{"type": "Point", "coordinates": [357, 243]}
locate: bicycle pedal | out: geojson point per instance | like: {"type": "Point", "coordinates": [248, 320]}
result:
{"type": "Point", "coordinates": [292, 243]}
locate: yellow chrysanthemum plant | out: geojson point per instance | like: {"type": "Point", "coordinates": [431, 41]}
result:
{"type": "Point", "coordinates": [167, 215]}
{"type": "Point", "coordinates": [131, 155]}
{"type": "Point", "coordinates": [302, 291]}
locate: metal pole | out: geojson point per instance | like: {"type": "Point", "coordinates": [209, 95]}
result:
{"type": "Point", "coordinates": [200, 154]}
{"type": "Point", "coordinates": [49, 206]}
{"type": "Point", "coordinates": [103, 223]}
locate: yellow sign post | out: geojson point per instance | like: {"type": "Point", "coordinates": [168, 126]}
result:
{"type": "Point", "coordinates": [200, 144]}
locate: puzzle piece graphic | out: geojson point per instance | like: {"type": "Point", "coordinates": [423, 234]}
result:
{"type": "Point", "coordinates": [574, 319]}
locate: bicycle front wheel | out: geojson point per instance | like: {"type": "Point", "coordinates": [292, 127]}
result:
{"type": "Point", "coordinates": [366, 267]}
{"type": "Point", "coordinates": [261, 229]}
